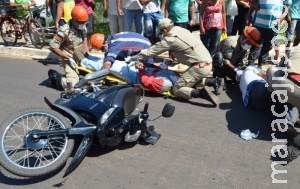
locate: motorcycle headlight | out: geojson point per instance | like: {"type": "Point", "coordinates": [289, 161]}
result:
{"type": "Point", "coordinates": [106, 115]}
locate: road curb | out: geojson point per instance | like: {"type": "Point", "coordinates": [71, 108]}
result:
{"type": "Point", "coordinates": [28, 52]}
{"type": "Point", "coordinates": [35, 53]}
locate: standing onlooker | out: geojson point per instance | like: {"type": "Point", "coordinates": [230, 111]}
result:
{"type": "Point", "coordinates": [212, 22]}
{"type": "Point", "coordinates": [293, 25]}
{"type": "Point", "coordinates": [178, 11]}
{"type": "Point", "coordinates": [63, 12]}
{"type": "Point", "coordinates": [229, 18]}
{"type": "Point", "coordinates": [287, 18]}
{"type": "Point", "coordinates": [152, 16]}
{"type": "Point", "coordinates": [89, 5]}
{"type": "Point", "coordinates": [240, 20]}
{"type": "Point", "coordinates": [51, 5]}
{"type": "Point", "coordinates": [267, 17]}
{"type": "Point", "coordinates": [22, 12]}
{"type": "Point", "coordinates": [132, 12]}
{"type": "Point", "coordinates": [116, 23]}
{"type": "Point", "coordinates": [199, 2]}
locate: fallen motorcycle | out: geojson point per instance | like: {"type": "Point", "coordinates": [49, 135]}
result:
{"type": "Point", "coordinates": [38, 141]}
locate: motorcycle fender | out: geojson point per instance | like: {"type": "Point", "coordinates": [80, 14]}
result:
{"type": "Point", "coordinates": [84, 147]}
{"type": "Point", "coordinates": [67, 112]}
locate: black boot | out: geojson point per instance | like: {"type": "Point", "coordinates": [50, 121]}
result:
{"type": "Point", "coordinates": [53, 76]}
{"type": "Point", "coordinates": [204, 93]}
{"type": "Point", "coordinates": [216, 83]}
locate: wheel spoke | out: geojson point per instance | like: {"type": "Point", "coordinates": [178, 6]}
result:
{"type": "Point", "coordinates": [52, 150]}
{"type": "Point", "coordinates": [16, 134]}
{"type": "Point", "coordinates": [25, 155]}
{"type": "Point", "coordinates": [57, 141]}
{"type": "Point", "coordinates": [38, 122]}
{"type": "Point", "coordinates": [14, 151]}
{"type": "Point", "coordinates": [37, 34]}
{"type": "Point", "coordinates": [8, 32]}
{"type": "Point", "coordinates": [40, 158]}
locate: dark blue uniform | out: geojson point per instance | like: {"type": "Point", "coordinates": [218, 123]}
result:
{"type": "Point", "coordinates": [125, 44]}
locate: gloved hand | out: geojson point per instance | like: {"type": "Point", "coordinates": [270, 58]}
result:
{"type": "Point", "coordinates": [129, 59]}
{"type": "Point", "coordinates": [72, 63]}
{"type": "Point", "coordinates": [226, 62]}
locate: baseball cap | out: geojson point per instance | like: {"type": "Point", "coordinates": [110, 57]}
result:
{"type": "Point", "coordinates": [164, 23]}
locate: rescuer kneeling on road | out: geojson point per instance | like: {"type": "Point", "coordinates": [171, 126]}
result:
{"type": "Point", "coordinates": [70, 43]}
{"type": "Point", "coordinates": [188, 50]}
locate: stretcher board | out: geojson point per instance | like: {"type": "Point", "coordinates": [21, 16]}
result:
{"type": "Point", "coordinates": [114, 79]}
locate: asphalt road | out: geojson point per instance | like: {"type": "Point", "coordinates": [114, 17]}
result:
{"type": "Point", "coordinates": [200, 145]}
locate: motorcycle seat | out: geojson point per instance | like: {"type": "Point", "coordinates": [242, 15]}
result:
{"type": "Point", "coordinates": [95, 76]}
{"type": "Point", "coordinates": [125, 96]}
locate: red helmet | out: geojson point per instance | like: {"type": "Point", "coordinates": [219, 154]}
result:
{"type": "Point", "coordinates": [97, 40]}
{"type": "Point", "coordinates": [253, 35]}
{"type": "Point", "coordinates": [79, 14]}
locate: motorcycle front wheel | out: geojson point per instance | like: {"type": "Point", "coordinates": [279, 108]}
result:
{"type": "Point", "coordinates": [24, 155]}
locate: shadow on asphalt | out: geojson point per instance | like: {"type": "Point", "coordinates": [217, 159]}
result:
{"type": "Point", "coordinates": [47, 61]}
{"type": "Point", "coordinates": [240, 118]}
{"type": "Point", "coordinates": [181, 100]}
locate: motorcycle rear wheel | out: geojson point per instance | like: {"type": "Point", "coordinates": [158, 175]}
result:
{"type": "Point", "coordinates": [25, 156]}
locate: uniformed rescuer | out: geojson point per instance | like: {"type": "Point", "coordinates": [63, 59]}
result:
{"type": "Point", "coordinates": [187, 49]}
{"type": "Point", "coordinates": [70, 43]}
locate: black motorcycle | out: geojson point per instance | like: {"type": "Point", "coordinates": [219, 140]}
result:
{"type": "Point", "coordinates": [38, 141]}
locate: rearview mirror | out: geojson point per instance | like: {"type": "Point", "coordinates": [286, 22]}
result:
{"type": "Point", "coordinates": [168, 110]}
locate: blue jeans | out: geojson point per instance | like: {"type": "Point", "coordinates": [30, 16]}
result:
{"type": "Point", "coordinates": [61, 22]}
{"type": "Point", "coordinates": [259, 97]}
{"type": "Point", "coordinates": [293, 28]}
{"type": "Point", "coordinates": [262, 52]}
{"type": "Point", "coordinates": [229, 24]}
{"type": "Point", "coordinates": [211, 38]}
{"type": "Point", "coordinates": [151, 21]}
{"type": "Point", "coordinates": [137, 17]}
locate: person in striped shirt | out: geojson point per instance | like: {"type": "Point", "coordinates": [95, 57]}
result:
{"type": "Point", "coordinates": [122, 45]}
{"type": "Point", "coordinates": [267, 18]}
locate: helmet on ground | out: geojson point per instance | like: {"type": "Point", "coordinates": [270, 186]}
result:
{"type": "Point", "coordinates": [79, 14]}
{"type": "Point", "coordinates": [253, 36]}
{"type": "Point", "coordinates": [97, 40]}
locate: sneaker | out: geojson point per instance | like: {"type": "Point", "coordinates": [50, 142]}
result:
{"type": "Point", "coordinates": [217, 85]}
{"type": "Point", "coordinates": [210, 96]}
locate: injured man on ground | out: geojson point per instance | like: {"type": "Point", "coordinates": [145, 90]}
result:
{"type": "Point", "coordinates": [155, 78]}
